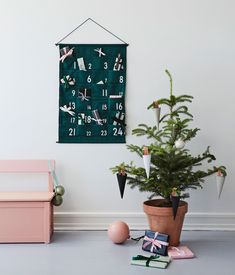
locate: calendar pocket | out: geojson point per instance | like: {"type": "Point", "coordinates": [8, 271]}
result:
{"type": "Point", "coordinates": [67, 81]}
{"type": "Point", "coordinates": [116, 131]}
{"type": "Point", "coordinates": [116, 89]}
{"type": "Point", "coordinates": [116, 77]}
{"type": "Point", "coordinates": [116, 103]}
{"type": "Point", "coordinates": [83, 106]}
{"type": "Point", "coordinates": [100, 104]}
{"type": "Point", "coordinates": [74, 131]}
{"type": "Point", "coordinates": [116, 118]}
{"type": "Point", "coordinates": [99, 64]}
{"type": "Point", "coordinates": [68, 64]}
{"type": "Point", "coordinates": [100, 77]}
{"type": "Point", "coordinates": [81, 130]}
{"type": "Point", "coordinates": [99, 130]}
{"type": "Point", "coordinates": [99, 91]}
{"type": "Point", "coordinates": [84, 77]}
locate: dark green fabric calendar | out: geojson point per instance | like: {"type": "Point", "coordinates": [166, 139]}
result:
{"type": "Point", "coordinates": [92, 93]}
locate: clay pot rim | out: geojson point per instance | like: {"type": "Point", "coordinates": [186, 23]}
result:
{"type": "Point", "coordinates": [156, 202]}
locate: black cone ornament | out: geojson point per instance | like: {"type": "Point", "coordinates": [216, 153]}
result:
{"type": "Point", "coordinates": [175, 199]}
{"type": "Point", "coordinates": [121, 177]}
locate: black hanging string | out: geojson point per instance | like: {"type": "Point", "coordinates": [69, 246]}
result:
{"type": "Point", "coordinates": [96, 24]}
{"type": "Point", "coordinates": [138, 238]}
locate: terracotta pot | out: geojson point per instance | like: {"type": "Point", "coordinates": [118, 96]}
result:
{"type": "Point", "coordinates": [161, 219]}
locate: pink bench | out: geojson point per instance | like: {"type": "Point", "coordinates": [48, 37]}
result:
{"type": "Point", "coordinates": [26, 216]}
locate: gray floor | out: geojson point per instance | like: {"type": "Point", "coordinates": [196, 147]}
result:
{"type": "Point", "coordinates": [92, 253]}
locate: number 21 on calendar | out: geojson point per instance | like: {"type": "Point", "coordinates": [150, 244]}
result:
{"type": "Point", "coordinates": [72, 132]}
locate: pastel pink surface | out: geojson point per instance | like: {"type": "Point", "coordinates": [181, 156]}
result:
{"type": "Point", "coordinates": [26, 196]}
{"type": "Point", "coordinates": [180, 252]}
{"type": "Point", "coordinates": [25, 222]}
{"type": "Point", "coordinates": [26, 216]}
{"type": "Point", "coordinates": [35, 166]}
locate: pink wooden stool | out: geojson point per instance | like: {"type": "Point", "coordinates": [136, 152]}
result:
{"type": "Point", "coordinates": [26, 216]}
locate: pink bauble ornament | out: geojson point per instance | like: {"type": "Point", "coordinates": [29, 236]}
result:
{"type": "Point", "coordinates": [118, 232]}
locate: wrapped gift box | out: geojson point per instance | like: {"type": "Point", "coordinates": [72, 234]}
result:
{"type": "Point", "coordinates": [180, 252]}
{"type": "Point", "coordinates": [152, 261]}
{"type": "Point", "coordinates": [155, 242]}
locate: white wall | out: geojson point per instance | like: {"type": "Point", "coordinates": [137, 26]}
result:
{"type": "Point", "coordinates": [193, 39]}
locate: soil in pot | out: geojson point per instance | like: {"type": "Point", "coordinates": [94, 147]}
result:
{"type": "Point", "coordinates": [161, 219]}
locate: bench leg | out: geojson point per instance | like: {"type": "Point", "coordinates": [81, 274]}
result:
{"type": "Point", "coordinates": [47, 222]}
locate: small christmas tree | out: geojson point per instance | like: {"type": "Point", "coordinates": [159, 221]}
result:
{"type": "Point", "coordinates": [170, 169]}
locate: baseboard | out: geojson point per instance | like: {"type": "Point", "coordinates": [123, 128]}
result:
{"type": "Point", "coordinates": [72, 221]}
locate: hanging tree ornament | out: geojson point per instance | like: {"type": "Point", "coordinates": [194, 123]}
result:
{"type": "Point", "coordinates": [119, 119]}
{"type": "Point", "coordinates": [67, 81]}
{"type": "Point", "coordinates": [100, 52]}
{"type": "Point", "coordinates": [81, 119]}
{"type": "Point", "coordinates": [118, 63]}
{"type": "Point", "coordinates": [121, 177]}
{"type": "Point", "coordinates": [65, 52]}
{"type": "Point", "coordinates": [157, 110]}
{"type": "Point", "coordinates": [220, 178]}
{"type": "Point", "coordinates": [175, 199]}
{"type": "Point", "coordinates": [147, 161]}
{"type": "Point", "coordinates": [96, 117]}
{"type": "Point", "coordinates": [81, 64]}
{"type": "Point", "coordinates": [67, 110]}
{"type": "Point", "coordinates": [84, 94]}
{"type": "Point", "coordinates": [179, 144]}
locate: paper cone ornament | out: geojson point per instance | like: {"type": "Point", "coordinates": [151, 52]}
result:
{"type": "Point", "coordinates": [157, 110]}
{"type": "Point", "coordinates": [220, 183]}
{"type": "Point", "coordinates": [121, 182]}
{"type": "Point", "coordinates": [147, 161]}
{"type": "Point", "coordinates": [175, 204]}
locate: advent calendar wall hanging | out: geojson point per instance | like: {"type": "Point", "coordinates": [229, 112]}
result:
{"type": "Point", "coordinates": [92, 92]}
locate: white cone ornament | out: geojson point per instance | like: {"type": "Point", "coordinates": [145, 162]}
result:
{"type": "Point", "coordinates": [147, 161]}
{"type": "Point", "coordinates": [220, 178]}
{"type": "Point", "coordinates": [179, 144]}
{"type": "Point", "coordinates": [157, 111]}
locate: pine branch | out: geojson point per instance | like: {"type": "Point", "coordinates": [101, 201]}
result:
{"type": "Point", "coordinates": [150, 132]}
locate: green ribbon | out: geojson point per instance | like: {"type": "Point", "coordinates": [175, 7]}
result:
{"type": "Point", "coordinates": [53, 174]}
{"type": "Point", "coordinates": [148, 259]}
